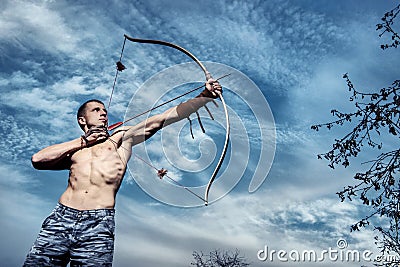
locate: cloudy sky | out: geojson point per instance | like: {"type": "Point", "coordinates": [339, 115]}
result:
{"type": "Point", "coordinates": [57, 54]}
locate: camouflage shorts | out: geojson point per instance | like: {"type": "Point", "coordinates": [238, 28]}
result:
{"type": "Point", "coordinates": [81, 238]}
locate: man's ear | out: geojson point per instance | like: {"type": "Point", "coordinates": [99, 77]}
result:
{"type": "Point", "coordinates": [81, 120]}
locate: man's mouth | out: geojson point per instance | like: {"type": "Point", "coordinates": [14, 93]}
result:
{"type": "Point", "coordinates": [103, 122]}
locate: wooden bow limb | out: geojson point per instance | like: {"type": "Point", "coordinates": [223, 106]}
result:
{"type": "Point", "coordinates": [208, 76]}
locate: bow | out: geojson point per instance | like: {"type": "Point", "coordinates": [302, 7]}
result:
{"type": "Point", "coordinates": [208, 76]}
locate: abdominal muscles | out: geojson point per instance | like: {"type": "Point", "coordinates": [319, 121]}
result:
{"type": "Point", "coordinates": [95, 176]}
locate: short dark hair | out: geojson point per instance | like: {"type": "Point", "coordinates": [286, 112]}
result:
{"type": "Point", "coordinates": [82, 109]}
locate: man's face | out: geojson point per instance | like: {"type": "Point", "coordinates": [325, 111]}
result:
{"type": "Point", "coordinates": [95, 115]}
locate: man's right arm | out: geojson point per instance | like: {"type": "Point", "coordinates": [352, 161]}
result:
{"type": "Point", "coordinates": [56, 157]}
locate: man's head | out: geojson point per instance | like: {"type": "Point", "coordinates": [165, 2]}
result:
{"type": "Point", "coordinates": [92, 113]}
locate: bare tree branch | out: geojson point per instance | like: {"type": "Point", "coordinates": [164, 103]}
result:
{"type": "Point", "coordinates": [375, 120]}
{"type": "Point", "coordinates": [218, 258]}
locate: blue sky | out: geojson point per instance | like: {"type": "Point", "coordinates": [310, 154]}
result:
{"type": "Point", "coordinates": [57, 54]}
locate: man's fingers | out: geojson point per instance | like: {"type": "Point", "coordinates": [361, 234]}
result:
{"type": "Point", "coordinates": [101, 138]}
{"type": "Point", "coordinates": [213, 86]}
{"type": "Point", "coordinates": [216, 88]}
{"type": "Point", "coordinates": [96, 134]}
{"type": "Point", "coordinates": [97, 129]}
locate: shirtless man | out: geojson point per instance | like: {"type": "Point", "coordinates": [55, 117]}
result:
{"type": "Point", "coordinates": [80, 230]}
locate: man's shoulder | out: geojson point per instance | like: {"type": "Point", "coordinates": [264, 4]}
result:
{"type": "Point", "coordinates": [117, 136]}
{"type": "Point", "coordinates": [120, 131]}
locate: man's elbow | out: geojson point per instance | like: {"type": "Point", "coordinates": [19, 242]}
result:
{"type": "Point", "coordinates": [156, 123]}
{"type": "Point", "coordinates": [154, 126]}
{"type": "Point", "coordinates": [37, 161]}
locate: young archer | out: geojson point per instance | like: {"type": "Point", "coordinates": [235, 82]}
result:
{"type": "Point", "coordinates": [80, 230]}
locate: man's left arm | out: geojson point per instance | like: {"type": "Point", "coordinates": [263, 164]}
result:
{"type": "Point", "coordinates": [144, 130]}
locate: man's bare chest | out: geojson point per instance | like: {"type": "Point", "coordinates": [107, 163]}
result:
{"type": "Point", "coordinates": [105, 151]}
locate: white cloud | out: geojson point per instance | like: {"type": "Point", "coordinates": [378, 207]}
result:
{"type": "Point", "coordinates": [19, 141]}
{"type": "Point", "coordinates": [246, 222]}
{"type": "Point", "coordinates": [69, 87]}
{"type": "Point", "coordinates": [35, 18]}
{"type": "Point", "coordinates": [277, 41]}
{"type": "Point", "coordinates": [22, 213]}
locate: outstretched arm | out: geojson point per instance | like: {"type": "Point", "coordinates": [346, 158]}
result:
{"type": "Point", "coordinates": [144, 130]}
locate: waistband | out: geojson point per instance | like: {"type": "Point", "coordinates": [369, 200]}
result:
{"type": "Point", "coordinates": [74, 212]}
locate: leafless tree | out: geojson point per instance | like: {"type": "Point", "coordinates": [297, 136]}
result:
{"type": "Point", "coordinates": [218, 258]}
{"type": "Point", "coordinates": [376, 120]}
